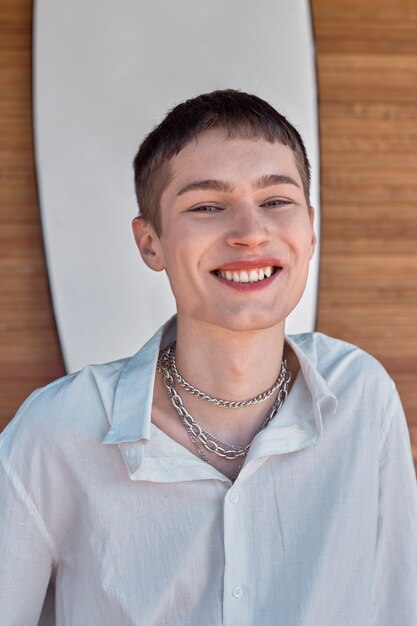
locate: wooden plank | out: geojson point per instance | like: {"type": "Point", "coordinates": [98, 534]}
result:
{"type": "Point", "coordinates": [378, 26]}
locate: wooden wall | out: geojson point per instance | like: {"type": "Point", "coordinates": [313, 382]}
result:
{"type": "Point", "coordinates": [367, 69]}
{"type": "Point", "coordinates": [29, 351]}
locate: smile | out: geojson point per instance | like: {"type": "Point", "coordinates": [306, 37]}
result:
{"type": "Point", "coordinates": [252, 275]}
{"type": "Point", "coordinates": [249, 279]}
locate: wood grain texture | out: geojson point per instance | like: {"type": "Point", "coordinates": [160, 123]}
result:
{"type": "Point", "coordinates": [367, 70]}
{"type": "Point", "coordinates": [29, 351]}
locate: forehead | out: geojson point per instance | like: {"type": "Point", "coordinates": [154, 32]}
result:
{"type": "Point", "coordinates": [214, 154]}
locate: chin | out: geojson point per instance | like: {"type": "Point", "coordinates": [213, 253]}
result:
{"type": "Point", "coordinates": [245, 322]}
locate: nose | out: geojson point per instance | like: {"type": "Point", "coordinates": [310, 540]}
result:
{"type": "Point", "coordinates": [248, 229]}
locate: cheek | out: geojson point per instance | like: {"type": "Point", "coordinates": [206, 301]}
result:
{"type": "Point", "coordinates": [300, 242]}
{"type": "Point", "coordinates": [305, 237]}
{"type": "Point", "coordinates": [179, 259]}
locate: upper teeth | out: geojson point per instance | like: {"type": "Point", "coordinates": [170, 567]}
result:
{"type": "Point", "coordinates": [250, 276]}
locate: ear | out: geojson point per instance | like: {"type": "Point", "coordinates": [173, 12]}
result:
{"type": "Point", "coordinates": [149, 244]}
{"type": "Point", "coordinates": [313, 232]}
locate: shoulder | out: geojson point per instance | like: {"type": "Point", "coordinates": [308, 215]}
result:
{"type": "Point", "coordinates": [76, 402]}
{"type": "Point", "coordinates": [337, 360]}
{"type": "Point", "coordinates": [358, 380]}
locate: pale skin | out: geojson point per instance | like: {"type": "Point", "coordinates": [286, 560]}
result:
{"type": "Point", "coordinates": [231, 204]}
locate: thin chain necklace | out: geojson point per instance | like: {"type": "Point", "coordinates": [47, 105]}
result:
{"type": "Point", "coordinates": [227, 404]}
{"type": "Point", "coordinates": [215, 441]}
{"type": "Point", "coordinates": [199, 435]}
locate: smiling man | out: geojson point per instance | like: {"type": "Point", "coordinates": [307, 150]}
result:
{"type": "Point", "coordinates": [226, 473]}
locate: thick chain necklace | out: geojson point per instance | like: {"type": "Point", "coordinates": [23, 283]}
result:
{"type": "Point", "coordinates": [227, 404]}
{"type": "Point", "coordinates": [197, 433]}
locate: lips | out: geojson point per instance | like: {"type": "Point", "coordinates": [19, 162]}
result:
{"type": "Point", "coordinates": [248, 273]}
{"type": "Point", "coordinates": [248, 276]}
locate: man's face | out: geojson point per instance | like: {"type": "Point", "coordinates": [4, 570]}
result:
{"type": "Point", "coordinates": [237, 233]}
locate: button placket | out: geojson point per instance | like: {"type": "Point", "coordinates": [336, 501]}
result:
{"type": "Point", "coordinates": [131, 457]}
{"type": "Point", "coordinates": [234, 497]}
{"type": "Point", "coordinates": [130, 452]}
{"type": "Point", "coordinates": [235, 598]}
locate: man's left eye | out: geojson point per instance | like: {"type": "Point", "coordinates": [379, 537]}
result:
{"type": "Point", "coordinates": [276, 202]}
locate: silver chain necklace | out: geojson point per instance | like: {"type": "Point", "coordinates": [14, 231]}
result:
{"type": "Point", "coordinates": [227, 404]}
{"type": "Point", "coordinates": [195, 440]}
{"type": "Point", "coordinates": [199, 435]}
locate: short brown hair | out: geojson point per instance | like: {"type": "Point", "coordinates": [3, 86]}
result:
{"type": "Point", "coordinates": [239, 114]}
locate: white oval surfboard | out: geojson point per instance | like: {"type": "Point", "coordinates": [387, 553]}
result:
{"type": "Point", "coordinates": [105, 73]}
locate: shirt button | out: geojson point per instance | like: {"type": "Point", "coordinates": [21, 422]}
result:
{"type": "Point", "coordinates": [234, 497]}
{"type": "Point", "coordinates": [130, 452]}
{"type": "Point", "coordinates": [237, 592]}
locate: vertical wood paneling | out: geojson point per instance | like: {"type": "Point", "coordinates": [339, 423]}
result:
{"type": "Point", "coordinates": [367, 69]}
{"type": "Point", "coordinates": [29, 352]}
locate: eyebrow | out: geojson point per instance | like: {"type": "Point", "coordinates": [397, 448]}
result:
{"type": "Point", "coordinates": [268, 180]}
{"type": "Point", "coordinates": [210, 183]}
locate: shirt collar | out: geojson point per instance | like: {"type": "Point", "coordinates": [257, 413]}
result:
{"type": "Point", "coordinates": [134, 391]}
{"type": "Point", "coordinates": [299, 423]}
{"type": "Point", "coordinates": [321, 394]}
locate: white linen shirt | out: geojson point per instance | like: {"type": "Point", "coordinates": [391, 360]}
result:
{"type": "Point", "coordinates": [319, 528]}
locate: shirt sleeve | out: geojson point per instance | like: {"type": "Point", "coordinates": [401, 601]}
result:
{"type": "Point", "coordinates": [395, 589]}
{"type": "Point", "coordinates": [26, 553]}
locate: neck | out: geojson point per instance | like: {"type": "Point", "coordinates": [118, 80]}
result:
{"type": "Point", "coordinates": [232, 365]}
{"type": "Point", "coordinates": [226, 365]}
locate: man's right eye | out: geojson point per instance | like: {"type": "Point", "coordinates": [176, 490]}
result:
{"type": "Point", "coordinates": [205, 208]}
